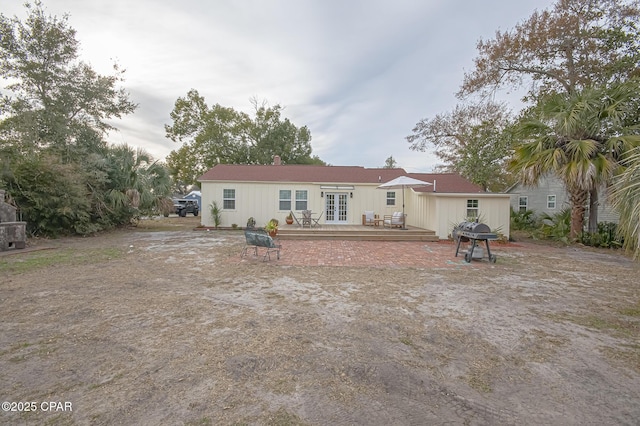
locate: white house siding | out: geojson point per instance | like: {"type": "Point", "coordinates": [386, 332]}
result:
{"type": "Point", "coordinates": [422, 211]}
{"type": "Point", "coordinates": [493, 210]}
{"type": "Point", "coordinates": [261, 201]}
{"type": "Point", "coordinates": [436, 211]}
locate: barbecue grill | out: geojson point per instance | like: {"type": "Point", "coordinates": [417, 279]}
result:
{"type": "Point", "coordinates": [474, 232]}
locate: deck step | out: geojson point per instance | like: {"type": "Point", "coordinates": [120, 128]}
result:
{"type": "Point", "coordinates": [356, 235]}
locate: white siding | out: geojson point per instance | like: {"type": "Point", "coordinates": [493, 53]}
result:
{"type": "Point", "coordinates": [261, 201]}
{"type": "Point", "coordinates": [448, 210]}
{"type": "Point", "coordinates": [436, 211]}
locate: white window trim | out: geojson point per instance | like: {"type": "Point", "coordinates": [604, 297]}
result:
{"type": "Point", "coordinates": [285, 199]}
{"type": "Point", "coordinates": [306, 199]}
{"type": "Point", "coordinates": [393, 198]}
{"type": "Point", "coordinates": [526, 202]}
{"type": "Point", "coordinates": [229, 199]}
{"type": "Point", "coordinates": [477, 208]}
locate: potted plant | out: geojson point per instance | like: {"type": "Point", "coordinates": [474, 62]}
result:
{"type": "Point", "coordinates": [289, 218]}
{"type": "Point", "coordinates": [272, 227]}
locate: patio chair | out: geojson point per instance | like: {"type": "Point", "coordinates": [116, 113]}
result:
{"type": "Point", "coordinates": [306, 218]}
{"type": "Point", "coordinates": [369, 218]}
{"type": "Point", "coordinates": [317, 220]}
{"type": "Point", "coordinates": [394, 220]}
{"type": "Point", "coordinates": [259, 238]}
{"type": "Point", "coordinates": [250, 240]}
{"type": "Point", "coordinates": [295, 218]}
{"type": "Point", "coordinates": [268, 242]}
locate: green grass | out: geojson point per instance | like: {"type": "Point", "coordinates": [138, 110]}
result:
{"type": "Point", "coordinates": [27, 262]}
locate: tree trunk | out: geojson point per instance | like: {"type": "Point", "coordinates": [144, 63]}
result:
{"type": "Point", "coordinates": [578, 198]}
{"type": "Point", "coordinates": [593, 211]}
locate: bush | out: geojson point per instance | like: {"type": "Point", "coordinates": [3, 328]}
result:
{"type": "Point", "coordinates": [51, 197]}
{"type": "Point", "coordinates": [216, 214]}
{"type": "Point", "coordinates": [606, 236]}
{"type": "Point", "coordinates": [555, 227]}
{"type": "Point", "coordinates": [523, 221]}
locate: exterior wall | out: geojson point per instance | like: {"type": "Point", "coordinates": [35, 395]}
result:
{"type": "Point", "coordinates": [261, 201]}
{"type": "Point", "coordinates": [436, 211]}
{"type": "Point", "coordinates": [550, 185]}
{"type": "Point", "coordinates": [606, 213]}
{"type": "Point", "coordinates": [448, 210]}
{"type": "Point", "coordinates": [495, 212]}
{"type": "Point", "coordinates": [537, 196]}
{"type": "Point", "coordinates": [422, 211]}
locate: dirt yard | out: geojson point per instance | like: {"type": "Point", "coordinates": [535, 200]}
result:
{"type": "Point", "coordinates": [166, 325]}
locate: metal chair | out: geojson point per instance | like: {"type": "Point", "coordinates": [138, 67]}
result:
{"type": "Point", "coordinates": [316, 221]}
{"type": "Point", "coordinates": [259, 238]}
{"type": "Point", "coordinates": [306, 218]}
{"type": "Point", "coordinates": [295, 218]}
{"type": "Point", "coordinates": [250, 240]}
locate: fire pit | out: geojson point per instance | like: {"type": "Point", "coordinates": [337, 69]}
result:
{"type": "Point", "coordinates": [12, 233]}
{"type": "Point", "coordinates": [473, 232]}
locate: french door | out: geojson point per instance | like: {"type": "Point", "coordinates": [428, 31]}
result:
{"type": "Point", "coordinates": [336, 207]}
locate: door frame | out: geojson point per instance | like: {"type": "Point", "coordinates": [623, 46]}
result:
{"type": "Point", "coordinates": [336, 214]}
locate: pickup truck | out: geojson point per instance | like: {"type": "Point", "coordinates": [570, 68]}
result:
{"type": "Point", "coordinates": [186, 206]}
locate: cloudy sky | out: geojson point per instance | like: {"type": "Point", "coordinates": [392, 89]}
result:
{"type": "Point", "coordinates": [359, 73]}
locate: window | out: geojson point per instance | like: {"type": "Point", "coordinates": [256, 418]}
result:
{"type": "Point", "coordinates": [391, 198]}
{"type": "Point", "coordinates": [551, 202]}
{"type": "Point", "coordinates": [523, 203]}
{"type": "Point", "coordinates": [472, 209]}
{"type": "Point", "coordinates": [229, 199]}
{"type": "Point", "coordinates": [301, 199]}
{"type": "Point", "coordinates": [285, 199]}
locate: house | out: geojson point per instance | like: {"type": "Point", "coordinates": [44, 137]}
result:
{"type": "Point", "coordinates": [550, 197]}
{"type": "Point", "coordinates": [343, 193]}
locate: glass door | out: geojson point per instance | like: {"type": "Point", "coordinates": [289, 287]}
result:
{"type": "Point", "coordinates": [336, 207]}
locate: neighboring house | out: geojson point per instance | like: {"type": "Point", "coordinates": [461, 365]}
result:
{"type": "Point", "coordinates": [195, 195]}
{"type": "Point", "coordinates": [343, 193]}
{"type": "Point", "coordinates": [550, 197]}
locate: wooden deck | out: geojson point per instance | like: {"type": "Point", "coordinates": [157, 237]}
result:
{"type": "Point", "coordinates": [355, 232]}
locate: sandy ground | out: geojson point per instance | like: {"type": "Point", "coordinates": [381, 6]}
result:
{"type": "Point", "coordinates": [166, 325]}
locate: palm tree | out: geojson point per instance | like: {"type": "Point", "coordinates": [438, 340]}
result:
{"type": "Point", "coordinates": [136, 181]}
{"type": "Point", "coordinates": [625, 197]}
{"type": "Point", "coordinates": [582, 139]}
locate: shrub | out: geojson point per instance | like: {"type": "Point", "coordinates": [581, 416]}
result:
{"type": "Point", "coordinates": [606, 236]}
{"type": "Point", "coordinates": [523, 221]}
{"type": "Point", "coordinates": [555, 227]}
{"type": "Point", "coordinates": [216, 213]}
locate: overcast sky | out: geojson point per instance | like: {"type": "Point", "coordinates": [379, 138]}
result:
{"type": "Point", "coordinates": [358, 73]}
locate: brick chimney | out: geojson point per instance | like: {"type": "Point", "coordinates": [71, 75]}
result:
{"type": "Point", "coordinates": [276, 160]}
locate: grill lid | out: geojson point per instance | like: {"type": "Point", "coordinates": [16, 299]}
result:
{"type": "Point", "coordinates": [474, 227]}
